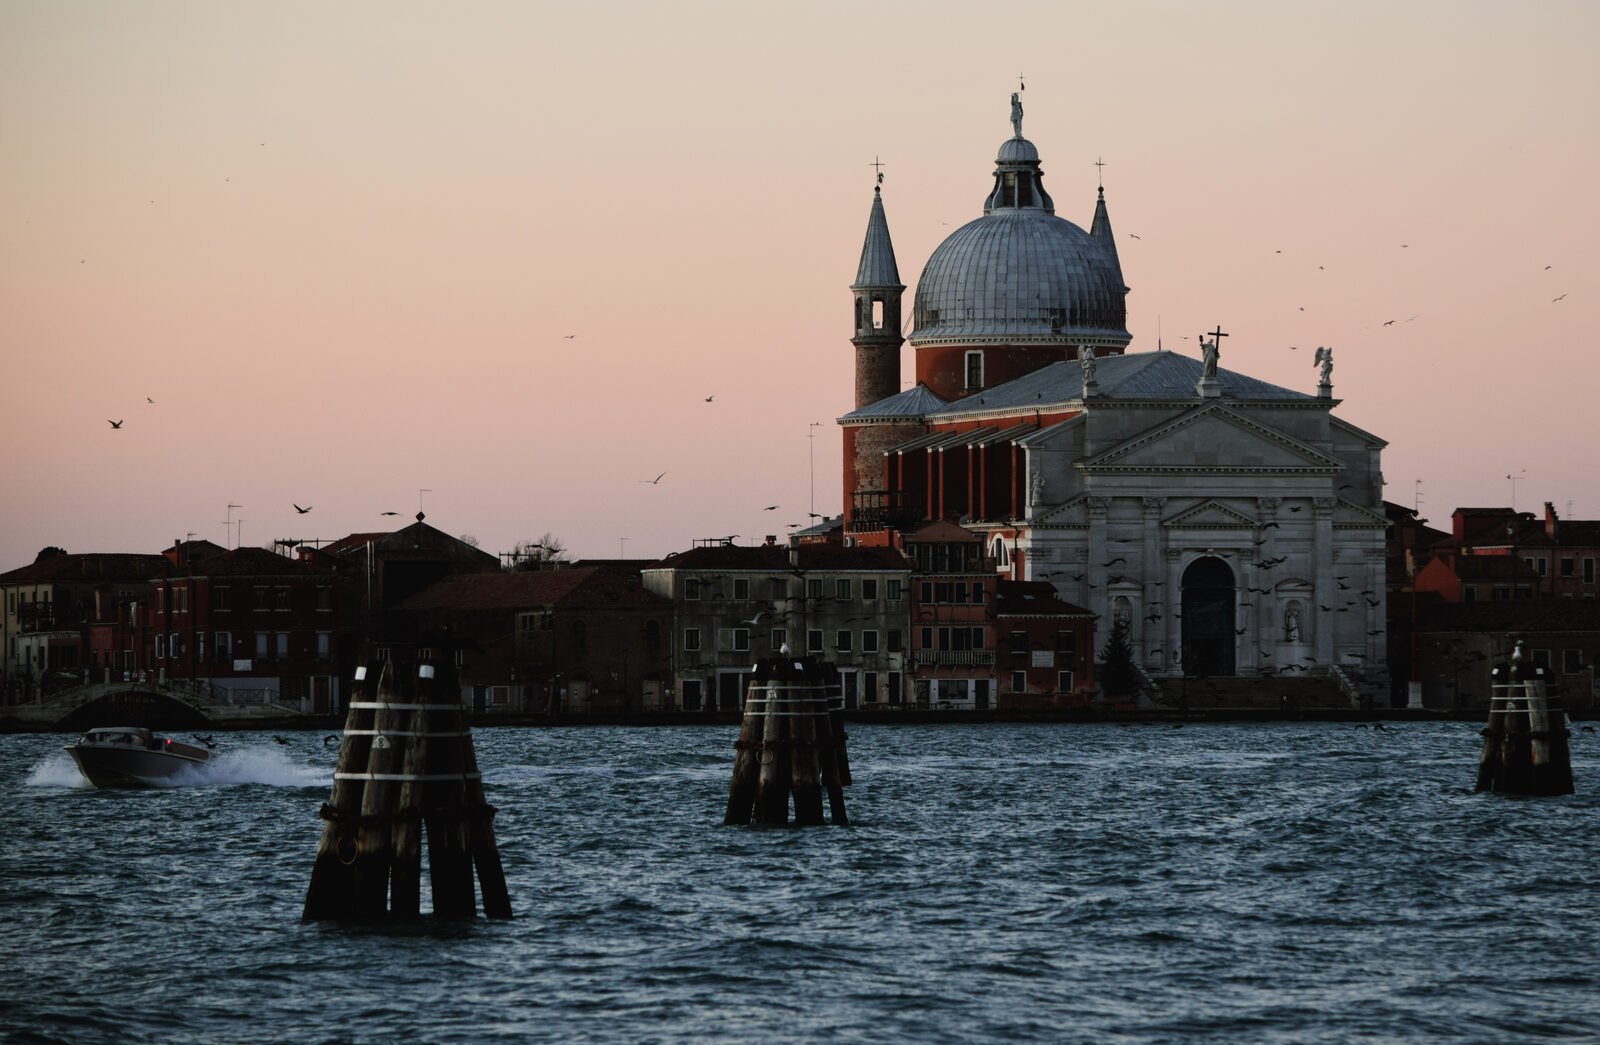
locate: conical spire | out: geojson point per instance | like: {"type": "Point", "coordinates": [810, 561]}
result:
{"type": "Point", "coordinates": [878, 268]}
{"type": "Point", "coordinates": [1100, 232]}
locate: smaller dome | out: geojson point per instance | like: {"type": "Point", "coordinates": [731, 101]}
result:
{"type": "Point", "coordinates": [1017, 150]}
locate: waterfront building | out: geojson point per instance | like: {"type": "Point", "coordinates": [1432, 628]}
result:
{"type": "Point", "coordinates": [733, 605]}
{"type": "Point", "coordinates": [49, 606]}
{"type": "Point", "coordinates": [583, 639]}
{"type": "Point", "coordinates": [238, 627]}
{"type": "Point", "coordinates": [1238, 526]}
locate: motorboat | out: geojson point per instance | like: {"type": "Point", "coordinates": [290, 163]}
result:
{"type": "Point", "coordinates": [131, 756]}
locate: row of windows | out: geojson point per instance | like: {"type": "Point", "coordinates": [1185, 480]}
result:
{"type": "Point", "coordinates": [1568, 566]}
{"type": "Point", "coordinates": [263, 597]}
{"type": "Point", "coordinates": [864, 687]}
{"type": "Point", "coordinates": [1019, 682]}
{"type": "Point", "coordinates": [779, 588]}
{"type": "Point", "coordinates": [737, 640]}
{"type": "Point", "coordinates": [268, 646]}
{"type": "Point", "coordinates": [958, 592]}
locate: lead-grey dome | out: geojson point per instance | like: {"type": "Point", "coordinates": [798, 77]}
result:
{"type": "Point", "coordinates": [1019, 274]}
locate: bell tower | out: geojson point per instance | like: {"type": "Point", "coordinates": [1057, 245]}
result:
{"type": "Point", "coordinates": [877, 291]}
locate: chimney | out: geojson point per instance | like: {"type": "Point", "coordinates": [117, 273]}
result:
{"type": "Point", "coordinates": [772, 540]}
{"type": "Point", "coordinates": [1550, 520]}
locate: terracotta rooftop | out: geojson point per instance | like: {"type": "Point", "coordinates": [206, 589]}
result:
{"type": "Point", "coordinates": [526, 589]}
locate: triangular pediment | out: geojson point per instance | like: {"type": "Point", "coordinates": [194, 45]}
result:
{"type": "Point", "coordinates": [1067, 514]}
{"type": "Point", "coordinates": [1348, 513]}
{"type": "Point", "coordinates": [1209, 514]}
{"type": "Point", "coordinates": [1213, 439]}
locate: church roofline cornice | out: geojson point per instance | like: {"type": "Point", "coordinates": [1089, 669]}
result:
{"type": "Point", "coordinates": [1228, 413]}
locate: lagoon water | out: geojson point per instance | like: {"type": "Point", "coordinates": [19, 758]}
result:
{"type": "Point", "coordinates": [1117, 883]}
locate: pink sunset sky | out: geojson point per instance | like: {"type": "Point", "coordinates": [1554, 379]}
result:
{"type": "Point", "coordinates": [342, 246]}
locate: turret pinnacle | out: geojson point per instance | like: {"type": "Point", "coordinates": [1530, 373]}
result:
{"type": "Point", "coordinates": [1100, 232]}
{"type": "Point", "coordinates": [877, 291]}
{"type": "Point", "coordinates": [878, 268]}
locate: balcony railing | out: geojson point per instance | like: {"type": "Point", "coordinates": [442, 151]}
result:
{"type": "Point", "coordinates": [955, 657]}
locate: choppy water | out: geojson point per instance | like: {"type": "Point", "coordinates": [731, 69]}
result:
{"type": "Point", "coordinates": [1315, 882]}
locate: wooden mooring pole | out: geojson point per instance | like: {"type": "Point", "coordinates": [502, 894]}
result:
{"type": "Point", "coordinates": [791, 744]}
{"type": "Point", "coordinates": [1525, 741]}
{"type": "Point", "coordinates": [406, 767]}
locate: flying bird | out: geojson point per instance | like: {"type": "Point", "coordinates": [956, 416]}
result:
{"type": "Point", "coordinates": [768, 508]}
{"type": "Point", "coordinates": [710, 398]}
{"type": "Point", "coordinates": [568, 337]}
{"type": "Point", "coordinates": [654, 481]}
{"type": "Point", "coordinates": [1133, 236]}
{"type": "Point", "coordinates": [114, 424]}
{"type": "Point", "coordinates": [148, 399]}
{"type": "Point", "coordinates": [301, 510]}
{"type": "Point", "coordinates": [1553, 300]}
{"type": "Point", "coordinates": [388, 513]}
{"type": "Point", "coordinates": [1388, 322]}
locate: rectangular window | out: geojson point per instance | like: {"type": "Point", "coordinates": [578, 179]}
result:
{"type": "Point", "coordinates": [324, 644]}
{"type": "Point", "coordinates": [175, 646]}
{"type": "Point", "coordinates": [814, 640]}
{"type": "Point", "coordinates": [1018, 643]}
{"type": "Point", "coordinates": [977, 592]}
{"type": "Point", "coordinates": [1469, 593]}
{"type": "Point", "coordinates": [691, 639]}
{"type": "Point", "coordinates": [814, 588]}
{"type": "Point", "coordinates": [741, 640]}
{"type": "Point", "coordinates": [224, 644]}
{"type": "Point", "coordinates": [869, 591]}
{"type": "Point", "coordinates": [161, 598]}
{"type": "Point", "coordinates": [324, 598]}
{"type": "Point", "coordinates": [927, 638]}
{"type": "Point", "coordinates": [974, 371]}
{"type": "Point", "coordinates": [941, 591]}
{"type": "Point", "coordinates": [869, 642]}
{"type": "Point", "coordinates": [1541, 658]}
{"type": "Point", "coordinates": [869, 687]}
{"type": "Point", "coordinates": [180, 600]}
{"type": "Point", "coordinates": [896, 641]}
{"type": "Point", "coordinates": [896, 687]}
{"type": "Point", "coordinates": [283, 645]}
{"type": "Point", "coordinates": [221, 598]}
{"type": "Point", "coordinates": [977, 637]}
{"type": "Point", "coordinates": [779, 637]}
{"type": "Point", "coordinates": [1588, 570]}
{"type": "Point", "coordinates": [1063, 682]}
{"type": "Point", "coordinates": [261, 596]}
{"type": "Point", "coordinates": [741, 589]}
{"type": "Point", "coordinates": [927, 591]}
{"type": "Point", "coordinates": [1571, 661]}
{"type": "Point", "coordinates": [691, 588]}
{"type": "Point", "coordinates": [1568, 566]}
{"type": "Point", "coordinates": [1019, 682]}
{"type": "Point", "coordinates": [892, 590]}
{"type": "Point", "coordinates": [161, 647]}
{"type": "Point", "coordinates": [841, 589]}
{"type": "Point", "coordinates": [779, 588]}
{"type": "Point", "coordinates": [841, 641]}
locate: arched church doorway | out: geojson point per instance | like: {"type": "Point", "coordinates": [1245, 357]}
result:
{"type": "Point", "coordinates": [1208, 615]}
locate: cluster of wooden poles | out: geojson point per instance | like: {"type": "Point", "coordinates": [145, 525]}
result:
{"type": "Point", "coordinates": [406, 768]}
{"type": "Point", "coordinates": [1525, 748]}
{"type": "Point", "coordinates": [791, 744]}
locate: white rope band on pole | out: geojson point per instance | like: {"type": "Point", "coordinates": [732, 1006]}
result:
{"type": "Point", "coordinates": [407, 777]}
{"type": "Point", "coordinates": [402, 733]}
{"type": "Point", "coordinates": [377, 705]}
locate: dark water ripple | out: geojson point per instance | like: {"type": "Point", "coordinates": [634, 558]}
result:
{"type": "Point", "coordinates": [1091, 883]}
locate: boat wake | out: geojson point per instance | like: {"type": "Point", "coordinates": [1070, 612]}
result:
{"type": "Point", "coordinates": [57, 771]}
{"type": "Point", "coordinates": [270, 767]}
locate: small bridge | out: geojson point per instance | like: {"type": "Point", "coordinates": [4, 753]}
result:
{"type": "Point", "coordinates": [155, 705]}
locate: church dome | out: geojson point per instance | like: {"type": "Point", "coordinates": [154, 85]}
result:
{"type": "Point", "coordinates": [1019, 274]}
